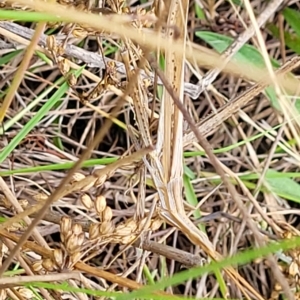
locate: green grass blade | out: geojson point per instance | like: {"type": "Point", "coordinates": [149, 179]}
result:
{"type": "Point", "coordinates": [57, 167]}
{"type": "Point", "coordinates": [32, 123]}
{"type": "Point", "coordinates": [291, 39]}
{"type": "Point", "coordinates": [292, 17]}
{"type": "Point", "coordinates": [283, 187]}
{"type": "Point", "coordinates": [240, 258]}
{"type": "Point", "coordinates": [247, 54]}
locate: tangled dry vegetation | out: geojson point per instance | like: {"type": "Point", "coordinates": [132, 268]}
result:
{"type": "Point", "coordinates": [139, 105]}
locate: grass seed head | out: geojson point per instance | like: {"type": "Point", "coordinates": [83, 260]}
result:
{"type": "Point", "coordinates": [106, 227]}
{"type": "Point", "coordinates": [94, 231]}
{"type": "Point", "coordinates": [75, 257]}
{"type": "Point", "coordinates": [142, 224]}
{"type": "Point", "coordinates": [48, 265]}
{"type": "Point", "coordinates": [51, 44]}
{"type": "Point", "coordinates": [80, 238]}
{"type": "Point", "coordinates": [132, 224]}
{"type": "Point", "coordinates": [87, 201]}
{"type": "Point", "coordinates": [40, 197]}
{"type": "Point", "coordinates": [124, 230]}
{"type": "Point", "coordinates": [25, 293]}
{"type": "Point", "coordinates": [37, 266]}
{"type": "Point", "coordinates": [88, 186]}
{"type": "Point", "coordinates": [65, 228]}
{"type": "Point", "coordinates": [107, 214]}
{"type": "Point", "coordinates": [23, 203]}
{"type": "Point", "coordinates": [77, 177]}
{"type": "Point", "coordinates": [125, 240]}
{"type": "Point", "coordinates": [72, 80]}
{"type": "Point", "coordinates": [15, 227]}
{"type": "Point", "coordinates": [76, 229]}
{"type": "Point", "coordinates": [100, 180]}
{"type": "Point", "coordinates": [277, 287]}
{"type": "Point", "coordinates": [293, 269]}
{"type": "Point", "coordinates": [58, 257]}
{"type": "Point", "coordinates": [155, 224]}
{"type": "Point", "coordinates": [100, 204]}
{"type": "Point", "coordinates": [64, 66]}
{"type": "Point", "coordinates": [74, 243]}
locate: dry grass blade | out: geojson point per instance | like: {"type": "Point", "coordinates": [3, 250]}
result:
{"type": "Point", "coordinates": [237, 45]}
{"type": "Point", "coordinates": [112, 24]}
{"type": "Point", "coordinates": [170, 136]}
{"type": "Point", "coordinates": [21, 70]}
{"type": "Point", "coordinates": [116, 226]}
{"type": "Point", "coordinates": [204, 143]}
{"type": "Point", "coordinates": [210, 124]}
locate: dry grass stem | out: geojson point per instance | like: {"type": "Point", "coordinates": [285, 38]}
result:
{"type": "Point", "coordinates": [119, 170]}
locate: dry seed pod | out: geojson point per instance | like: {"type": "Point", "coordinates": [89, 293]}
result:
{"type": "Point", "coordinates": [94, 230]}
{"type": "Point", "coordinates": [123, 230]}
{"type": "Point", "coordinates": [106, 228]}
{"type": "Point", "coordinates": [76, 229]}
{"type": "Point", "coordinates": [100, 204]}
{"type": "Point", "coordinates": [65, 228]}
{"type": "Point", "coordinates": [72, 245]}
{"type": "Point", "coordinates": [77, 177]}
{"type": "Point", "coordinates": [5, 202]}
{"type": "Point", "coordinates": [89, 186]}
{"type": "Point", "coordinates": [37, 266]}
{"type": "Point", "coordinates": [51, 43]}
{"type": "Point", "coordinates": [72, 260]}
{"type": "Point", "coordinates": [58, 257]}
{"type": "Point", "coordinates": [80, 238]}
{"type": "Point", "coordinates": [277, 287]}
{"type": "Point", "coordinates": [72, 80]}
{"type": "Point", "coordinates": [61, 50]}
{"type": "Point", "coordinates": [155, 224]}
{"type": "Point", "coordinates": [147, 82]}
{"type": "Point", "coordinates": [25, 293]}
{"type": "Point", "coordinates": [23, 203]}
{"type": "Point", "coordinates": [107, 214]}
{"type": "Point", "coordinates": [79, 33]}
{"type": "Point", "coordinates": [74, 242]}
{"type": "Point", "coordinates": [48, 265]}
{"type": "Point", "coordinates": [287, 235]}
{"type": "Point", "coordinates": [14, 227]}
{"type": "Point", "coordinates": [125, 240]}
{"type": "Point", "coordinates": [64, 66]}
{"type": "Point", "coordinates": [75, 257]}
{"type": "Point", "coordinates": [258, 260]}
{"type": "Point", "coordinates": [100, 180]}
{"type": "Point", "coordinates": [131, 224]}
{"type": "Point", "coordinates": [65, 224]}
{"type": "Point", "coordinates": [293, 269]}
{"type": "Point", "coordinates": [40, 197]}
{"type": "Point", "coordinates": [142, 224]}
{"type": "Point", "coordinates": [87, 201]}
{"type": "Point", "coordinates": [126, 229]}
